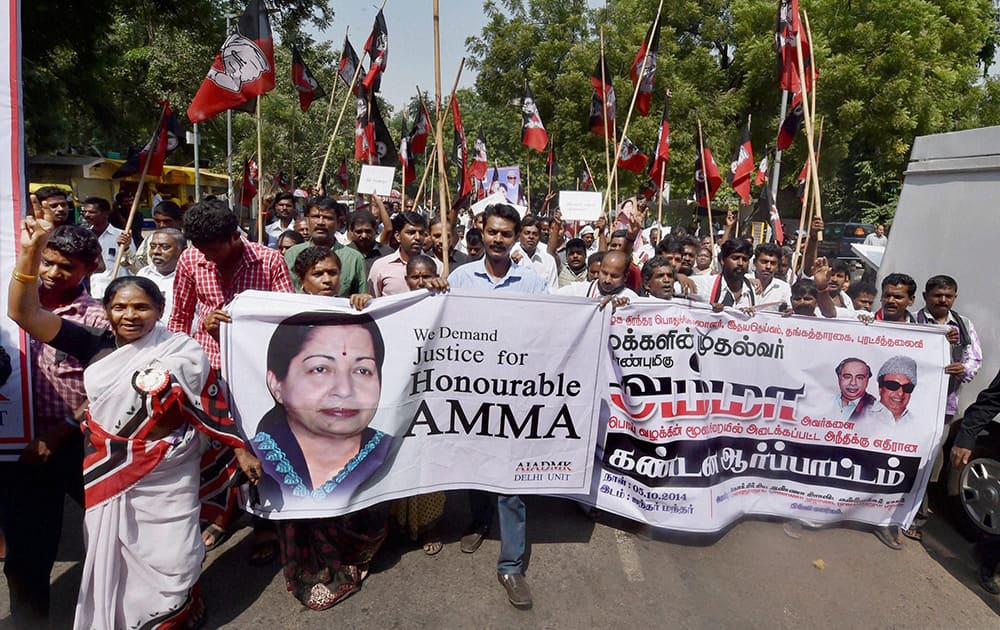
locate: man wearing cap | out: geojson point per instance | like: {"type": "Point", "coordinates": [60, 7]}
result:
{"type": "Point", "coordinates": [897, 379]}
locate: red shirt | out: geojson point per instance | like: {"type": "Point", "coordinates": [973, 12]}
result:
{"type": "Point", "coordinates": [198, 285]}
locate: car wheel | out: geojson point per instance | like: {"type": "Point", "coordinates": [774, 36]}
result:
{"type": "Point", "coordinates": [979, 492]}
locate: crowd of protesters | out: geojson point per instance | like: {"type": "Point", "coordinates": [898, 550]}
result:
{"type": "Point", "coordinates": [92, 291]}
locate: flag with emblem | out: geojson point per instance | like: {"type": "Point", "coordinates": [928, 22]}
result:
{"type": "Point", "coordinates": [460, 151]}
{"type": "Point", "coordinates": [480, 162]}
{"type": "Point", "coordinates": [631, 158]}
{"type": "Point", "coordinates": [661, 152]}
{"type": "Point", "coordinates": [305, 83]}
{"type": "Point", "coordinates": [603, 99]}
{"type": "Point", "coordinates": [705, 169]}
{"type": "Point", "coordinates": [741, 167]}
{"type": "Point", "coordinates": [648, 50]}
{"type": "Point", "coordinates": [167, 137]}
{"type": "Point", "coordinates": [348, 65]}
{"type": "Point", "coordinates": [377, 47]}
{"type": "Point", "coordinates": [533, 132]}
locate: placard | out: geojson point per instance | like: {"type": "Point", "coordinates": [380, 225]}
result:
{"type": "Point", "coordinates": [376, 180]}
{"type": "Point", "coordinates": [579, 205]}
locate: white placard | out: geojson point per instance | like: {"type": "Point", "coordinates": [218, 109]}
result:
{"type": "Point", "coordinates": [376, 180]}
{"type": "Point", "coordinates": [579, 205]}
{"type": "Point", "coordinates": [497, 197]}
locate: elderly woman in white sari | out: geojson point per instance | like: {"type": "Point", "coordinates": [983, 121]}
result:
{"type": "Point", "coordinates": [148, 390]}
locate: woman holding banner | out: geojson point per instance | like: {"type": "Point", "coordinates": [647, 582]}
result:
{"type": "Point", "coordinates": [148, 391]}
{"type": "Point", "coordinates": [324, 371]}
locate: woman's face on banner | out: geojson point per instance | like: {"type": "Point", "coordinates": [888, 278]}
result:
{"type": "Point", "coordinates": [332, 388]}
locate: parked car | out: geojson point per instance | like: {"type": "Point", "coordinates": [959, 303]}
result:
{"type": "Point", "coordinates": [844, 234]}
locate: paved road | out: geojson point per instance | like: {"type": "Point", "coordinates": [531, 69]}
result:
{"type": "Point", "coordinates": [611, 574]}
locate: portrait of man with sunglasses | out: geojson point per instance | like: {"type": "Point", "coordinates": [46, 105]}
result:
{"type": "Point", "coordinates": [897, 379]}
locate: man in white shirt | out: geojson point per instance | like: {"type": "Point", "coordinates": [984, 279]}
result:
{"type": "Point", "coordinates": [773, 292]}
{"type": "Point", "coordinates": [165, 247]}
{"type": "Point", "coordinates": [96, 211]}
{"type": "Point", "coordinates": [610, 281]}
{"type": "Point", "coordinates": [284, 210]}
{"type": "Point", "coordinates": [878, 237]}
{"type": "Point", "coordinates": [731, 287]}
{"type": "Point", "coordinates": [527, 249]}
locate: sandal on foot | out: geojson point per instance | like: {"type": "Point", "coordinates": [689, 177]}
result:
{"type": "Point", "coordinates": [196, 614]}
{"type": "Point", "coordinates": [433, 548]}
{"type": "Point", "coordinates": [320, 598]}
{"type": "Point", "coordinates": [887, 538]}
{"type": "Point", "coordinates": [264, 551]}
{"type": "Point", "coordinates": [213, 536]}
{"type": "Point", "coordinates": [914, 533]}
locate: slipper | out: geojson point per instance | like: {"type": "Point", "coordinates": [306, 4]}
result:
{"type": "Point", "coordinates": [433, 547]}
{"type": "Point", "coordinates": [264, 552]}
{"type": "Point", "coordinates": [196, 614]}
{"type": "Point", "coordinates": [914, 533]}
{"type": "Point", "coordinates": [885, 535]}
{"type": "Point", "coordinates": [218, 536]}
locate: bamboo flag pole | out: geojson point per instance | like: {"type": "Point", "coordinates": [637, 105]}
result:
{"type": "Point", "coordinates": [631, 108]}
{"type": "Point", "coordinates": [433, 178]}
{"type": "Point", "coordinates": [589, 172]}
{"type": "Point", "coordinates": [527, 166]}
{"type": "Point", "coordinates": [708, 196]}
{"type": "Point", "coordinates": [659, 204]}
{"type": "Point", "coordinates": [333, 91]}
{"type": "Point", "coordinates": [260, 177]}
{"type": "Point", "coordinates": [819, 147]}
{"type": "Point", "coordinates": [336, 127]}
{"type": "Point", "coordinates": [813, 166]}
{"type": "Point", "coordinates": [443, 183]}
{"type": "Point", "coordinates": [291, 176]}
{"type": "Point", "coordinates": [138, 190]}
{"type": "Point", "coordinates": [428, 166]}
{"type": "Point", "coordinates": [607, 154]}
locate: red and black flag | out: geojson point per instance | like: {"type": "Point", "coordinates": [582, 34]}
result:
{"type": "Point", "coordinates": [766, 202]}
{"type": "Point", "coordinates": [344, 175]}
{"type": "Point", "coordinates": [650, 46]}
{"type": "Point", "coordinates": [741, 167]}
{"type": "Point", "coordinates": [800, 181]}
{"type": "Point", "coordinates": [661, 152]}
{"type": "Point", "coordinates": [552, 164]}
{"type": "Point", "coordinates": [166, 138]}
{"type": "Point", "coordinates": [630, 157]}
{"type": "Point", "coordinates": [243, 69]}
{"type": "Point", "coordinates": [603, 99]}
{"type": "Point", "coordinates": [348, 65]}
{"type": "Point", "coordinates": [460, 152]}
{"type": "Point", "coordinates": [249, 188]}
{"type": "Point", "coordinates": [406, 155]}
{"type": "Point", "coordinates": [421, 129]}
{"type": "Point", "coordinates": [377, 47]}
{"type": "Point", "coordinates": [761, 177]}
{"type": "Point", "coordinates": [648, 189]}
{"type": "Point", "coordinates": [705, 169]}
{"type": "Point", "coordinates": [385, 146]}
{"type": "Point", "coordinates": [480, 162]}
{"type": "Point", "coordinates": [533, 132]}
{"type": "Point", "coordinates": [364, 130]}
{"type": "Point", "coordinates": [585, 181]}
{"type": "Point", "coordinates": [788, 25]}
{"type": "Point", "coordinates": [281, 181]}
{"type": "Point", "coordinates": [790, 125]}
{"type": "Point", "coordinates": [305, 83]}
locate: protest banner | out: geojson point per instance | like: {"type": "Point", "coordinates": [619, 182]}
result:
{"type": "Point", "coordinates": [376, 180]}
{"type": "Point", "coordinates": [577, 205]}
{"type": "Point", "coordinates": [417, 394]}
{"type": "Point", "coordinates": [15, 416]}
{"type": "Point", "coordinates": [508, 180]}
{"type": "Point", "coordinates": [714, 416]}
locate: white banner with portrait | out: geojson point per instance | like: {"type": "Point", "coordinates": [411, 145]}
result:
{"type": "Point", "coordinates": [418, 393]}
{"type": "Point", "coordinates": [15, 401]}
{"type": "Point", "coordinates": [714, 416]}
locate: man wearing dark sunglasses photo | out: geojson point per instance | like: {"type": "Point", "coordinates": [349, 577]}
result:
{"type": "Point", "coordinates": [896, 380]}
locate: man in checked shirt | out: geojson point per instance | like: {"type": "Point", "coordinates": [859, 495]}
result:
{"type": "Point", "coordinates": [221, 265]}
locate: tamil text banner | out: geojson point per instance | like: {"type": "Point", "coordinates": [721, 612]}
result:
{"type": "Point", "coordinates": [417, 393]}
{"type": "Point", "coordinates": [713, 416]}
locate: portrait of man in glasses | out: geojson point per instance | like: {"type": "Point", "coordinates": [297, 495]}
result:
{"type": "Point", "coordinates": [897, 378]}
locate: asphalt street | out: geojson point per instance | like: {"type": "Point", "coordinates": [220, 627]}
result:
{"type": "Point", "coordinates": [610, 573]}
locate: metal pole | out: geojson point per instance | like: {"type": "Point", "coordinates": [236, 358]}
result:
{"type": "Point", "coordinates": [197, 167]}
{"type": "Point", "coordinates": [777, 154]}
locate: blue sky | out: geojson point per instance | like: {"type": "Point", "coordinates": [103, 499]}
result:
{"type": "Point", "coordinates": [411, 40]}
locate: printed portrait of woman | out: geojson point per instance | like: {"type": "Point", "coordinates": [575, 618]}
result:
{"type": "Point", "coordinates": [324, 372]}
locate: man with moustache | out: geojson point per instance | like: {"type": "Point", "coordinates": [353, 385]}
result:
{"type": "Point", "coordinates": [322, 217]}
{"type": "Point", "coordinates": [55, 200]}
{"type": "Point", "coordinates": [164, 247]}
{"type": "Point", "coordinates": [497, 272]}
{"type": "Point", "coordinates": [731, 288]}
{"type": "Point", "coordinates": [542, 261]}
{"type": "Point", "coordinates": [361, 226]}
{"type": "Point", "coordinates": [285, 213]}
{"type": "Point", "coordinates": [773, 293]}
{"type": "Point", "coordinates": [658, 278]}
{"type": "Point", "coordinates": [436, 234]}
{"type": "Point", "coordinates": [610, 281]}
{"type": "Point", "coordinates": [854, 400]}
{"type": "Point", "coordinates": [898, 292]}
{"type": "Point", "coordinates": [388, 274]}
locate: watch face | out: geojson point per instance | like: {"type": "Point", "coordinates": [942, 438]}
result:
{"type": "Point", "coordinates": [151, 380]}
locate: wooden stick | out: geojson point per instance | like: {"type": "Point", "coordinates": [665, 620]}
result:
{"type": "Point", "coordinates": [329, 106]}
{"type": "Point", "coordinates": [439, 132]}
{"type": "Point", "coordinates": [527, 166]}
{"type": "Point", "coordinates": [336, 127]}
{"type": "Point", "coordinates": [659, 205]}
{"type": "Point", "coordinates": [423, 179]}
{"type": "Point", "coordinates": [607, 150]}
{"type": "Point", "coordinates": [808, 115]}
{"type": "Point", "coordinates": [138, 190]}
{"type": "Point", "coordinates": [631, 108]}
{"type": "Point", "coordinates": [260, 178]}
{"type": "Point", "coordinates": [708, 196]}
{"type": "Point", "coordinates": [589, 172]}
{"type": "Point", "coordinates": [819, 146]}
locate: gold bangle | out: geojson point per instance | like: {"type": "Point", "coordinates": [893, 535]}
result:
{"type": "Point", "coordinates": [25, 277]}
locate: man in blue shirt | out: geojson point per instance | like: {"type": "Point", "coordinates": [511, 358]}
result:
{"type": "Point", "coordinates": [495, 271]}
